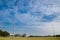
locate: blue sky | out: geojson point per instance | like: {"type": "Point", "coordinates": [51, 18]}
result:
{"type": "Point", "coordinates": [34, 17]}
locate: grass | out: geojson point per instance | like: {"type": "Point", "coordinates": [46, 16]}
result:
{"type": "Point", "coordinates": [30, 38]}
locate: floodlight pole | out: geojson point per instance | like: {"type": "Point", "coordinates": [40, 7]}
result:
{"type": "Point", "coordinates": [53, 30]}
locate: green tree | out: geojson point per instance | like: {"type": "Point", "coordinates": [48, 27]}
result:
{"type": "Point", "coordinates": [24, 35]}
{"type": "Point", "coordinates": [1, 32]}
{"type": "Point", "coordinates": [4, 33]}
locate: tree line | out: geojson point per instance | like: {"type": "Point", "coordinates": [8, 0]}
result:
{"type": "Point", "coordinates": [5, 33]}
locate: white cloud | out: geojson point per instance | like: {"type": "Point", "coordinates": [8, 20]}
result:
{"type": "Point", "coordinates": [46, 8]}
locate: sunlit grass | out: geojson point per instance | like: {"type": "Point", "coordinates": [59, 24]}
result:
{"type": "Point", "coordinates": [30, 38]}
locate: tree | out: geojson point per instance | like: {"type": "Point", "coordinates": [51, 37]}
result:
{"type": "Point", "coordinates": [56, 35]}
{"type": "Point", "coordinates": [17, 35]}
{"type": "Point", "coordinates": [24, 35]}
{"type": "Point", "coordinates": [1, 32]}
{"type": "Point", "coordinates": [4, 33]}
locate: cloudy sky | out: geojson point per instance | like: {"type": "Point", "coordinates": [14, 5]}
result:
{"type": "Point", "coordinates": [34, 17]}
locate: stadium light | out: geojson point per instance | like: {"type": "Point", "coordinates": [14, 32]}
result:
{"type": "Point", "coordinates": [53, 30]}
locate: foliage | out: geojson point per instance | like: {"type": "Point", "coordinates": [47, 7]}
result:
{"type": "Point", "coordinates": [4, 33]}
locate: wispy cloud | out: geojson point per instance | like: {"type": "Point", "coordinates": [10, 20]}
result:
{"type": "Point", "coordinates": [31, 16]}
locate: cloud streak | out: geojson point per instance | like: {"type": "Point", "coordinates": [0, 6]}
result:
{"type": "Point", "coordinates": [31, 15]}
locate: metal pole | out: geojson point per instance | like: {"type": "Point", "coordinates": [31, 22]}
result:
{"type": "Point", "coordinates": [53, 30]}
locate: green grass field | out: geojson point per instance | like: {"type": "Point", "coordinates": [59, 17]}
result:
{"type": "Point", "coordinates": [30, 38]}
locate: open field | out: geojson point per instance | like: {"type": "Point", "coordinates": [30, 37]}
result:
{"type": "Point", "coordinates": [30, 38]}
